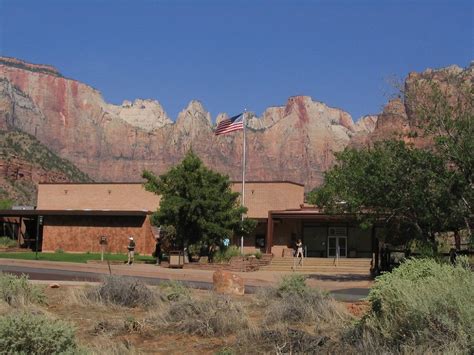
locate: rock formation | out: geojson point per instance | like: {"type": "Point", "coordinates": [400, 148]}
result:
{"type": "Point", "coordinates": [398, 119]}
{"type": "Point", "coordinates": [115, 143]}
{"type": "Point", "coordinates": [25, 162]}
{"type": "Point", "coordinates": [294, 142]}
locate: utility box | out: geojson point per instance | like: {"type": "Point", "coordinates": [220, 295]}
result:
{"type": "Point", "coordinates": [176, 259]}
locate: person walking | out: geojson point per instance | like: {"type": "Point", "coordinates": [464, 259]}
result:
{"type": "Point", "coordinates": [299, 255]}
{"type": "Point", "coordinates": [158, 251]}
{"type": "Point", "coordinates": [131, 250]}
{"type": "Point", "coordinates": [338, 254]}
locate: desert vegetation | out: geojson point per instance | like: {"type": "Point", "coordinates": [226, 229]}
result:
{"type": "Point", "coordinates": [7, 242]}
{"type": "Point", "coordinates": [423, 306]}
{"type": "Point", "coordinates": [27, 149]}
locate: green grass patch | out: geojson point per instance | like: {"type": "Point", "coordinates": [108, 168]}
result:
{"type": "Point", "coordinates": [74, 257]}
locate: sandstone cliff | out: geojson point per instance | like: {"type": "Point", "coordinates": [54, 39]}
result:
{"type": "Point", "coordinates": [292, 142]}
{"type": "Point", "coordinates": [25, 162]}
{"type": "Point", "coordinates": [295, 141]}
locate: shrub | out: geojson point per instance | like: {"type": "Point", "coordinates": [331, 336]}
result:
{"type": "Point", "coordinates": [295, 283]}
{"type": "Point", "coordinates": [217, 315]}
{"type": "Point", "coordinates": [225, 255]}
{"type": "Point", "coordinates": [35, 334]}
{"type": "Point", "coordinates": [280, 340]}
{"type": "Point", "coordinates": [174, 290]}
{"type": "Point", "coordinates": [309, 306]}
{"type": "Point", "coordinates": [257, 254]}
{"type": "Point", "coordinates": [422, 303]}
{"type": "Point", "coordinates": [123, 291]}
{"type": "Point", "coordinates": [6, 242]}
{"type": "Point", "coordinates": [17, 290]}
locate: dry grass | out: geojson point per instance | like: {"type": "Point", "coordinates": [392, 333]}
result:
{"type": "Point", "coordinates": [311, 306]}
{"type": "Point", "coordinates": [289, 319]}
{"type": "Point", "coordinates": [122, 291]}
{"type": "Point", "coordinates": [211, 316]}
{"type": "Point", "coordinates": [110, 346]}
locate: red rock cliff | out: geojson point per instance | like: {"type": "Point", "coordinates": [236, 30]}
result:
{"type": "Point", "coordinates": [292, 142]}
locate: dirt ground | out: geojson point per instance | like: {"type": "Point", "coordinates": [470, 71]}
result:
{"type": "Point", "coordinates": [125, 329]}
{"type": "Point", "coordinates": [88, 320]}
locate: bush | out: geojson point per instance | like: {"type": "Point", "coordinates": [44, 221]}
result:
{"type": "Point", "coordinates": [123, 291]}
{"type": "Point", "coordinates": [257, 254]}
{"type": "Point", "coordinates": [217, 315]}
{"type": "Point", "coordinates": [422, 303]}
{"type": "Point", "coordinates": [6, 242]}
{"type": "Point", "coordinates": [35, 334]}
{"type": "Point", "coordinates": [224, 256]}
{"type": "Point", "coordinates": [174, 290]}
{"type": "Point", "coordinates": [18, 291]}
{"type": "Point", "coordinates": [310, 306]}
{"type": "Point", "coordinates": [295, 283]}
{"type": "Point", "coordinates": [280, 340]}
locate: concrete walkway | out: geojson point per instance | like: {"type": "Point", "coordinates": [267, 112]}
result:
{"type": "Point", "coordinates": [355, 286]}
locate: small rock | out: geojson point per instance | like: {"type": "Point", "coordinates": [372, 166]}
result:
{"type": "Point", "coordinates": [228, 283]}
{"type": "Point", "coordinates": [54, 285]}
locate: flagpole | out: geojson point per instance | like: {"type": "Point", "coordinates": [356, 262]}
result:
{"type": "Point", "coordinates": [243, 179]}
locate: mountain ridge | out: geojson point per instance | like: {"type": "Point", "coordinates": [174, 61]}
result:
{"type": "Point", "coordinates": [295, 141]}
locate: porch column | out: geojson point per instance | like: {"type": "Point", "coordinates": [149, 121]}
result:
{"type": "Point", "coordinates": [18, 234]}
{"type": "Point", "coordinates": [269, 239]}
{"type": "Point", "coordinates": [375, 252]}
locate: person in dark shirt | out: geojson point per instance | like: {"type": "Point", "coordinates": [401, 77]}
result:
{"type": "Point", "coordinates": [131, 250]}
{"type": "Point", "coordinates": [158, 251]}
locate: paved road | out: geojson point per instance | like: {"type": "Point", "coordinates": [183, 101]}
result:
{"type": "Point", "coordinates": [68, 275]}
{"type": "Point", "coordinates": [345, 294]}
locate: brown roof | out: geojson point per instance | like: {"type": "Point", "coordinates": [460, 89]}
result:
{"type": "Point", "coordinates": [33, 213]}
{"type": "Point", "coordinates": [141, 183]}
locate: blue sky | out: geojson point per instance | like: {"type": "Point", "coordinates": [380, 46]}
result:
{"type": "Point", "coordinates": [240, 54]}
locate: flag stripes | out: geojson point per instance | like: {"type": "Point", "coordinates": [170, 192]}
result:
{"type": "Point", "coordinates": [228, 125]}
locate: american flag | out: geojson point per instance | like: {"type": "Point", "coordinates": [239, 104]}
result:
{"type": "Point", "coordinates": [232, 124]}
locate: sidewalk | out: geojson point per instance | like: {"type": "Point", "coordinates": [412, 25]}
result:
{"type": "Point", "coordinates": [333, 283]}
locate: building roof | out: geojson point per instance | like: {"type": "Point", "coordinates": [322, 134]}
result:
{"type": "Point", "coordinates": [142, 182]}
{"type": "Point", "coordinates": [34, 213]}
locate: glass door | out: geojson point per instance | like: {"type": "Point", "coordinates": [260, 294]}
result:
{"type": "Point", "coordinates": [342, 242]}
{"type": "Point", "coordinates": [332, 242]}
{"type": "Point", "coordinates": [335, 243]}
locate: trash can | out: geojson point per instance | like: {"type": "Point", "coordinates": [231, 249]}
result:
{"type": "Point", "coordinates": [176, 259]}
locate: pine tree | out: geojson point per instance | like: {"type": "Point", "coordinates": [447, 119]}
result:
{"type": "Point", "coordinates": [197, 204]}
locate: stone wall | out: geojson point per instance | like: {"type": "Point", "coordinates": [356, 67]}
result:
{"type": "Point", "coordinates": [82, 233]}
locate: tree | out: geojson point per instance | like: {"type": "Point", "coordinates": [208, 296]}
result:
{"type": "Point", "coordinates": [197, 203]}
{"type": "Point", "coordinates": [6, 204]}
{"type": "Point", "coordinates": [444, 113]}
{"type": "Point", "coordinates": [408, 188]}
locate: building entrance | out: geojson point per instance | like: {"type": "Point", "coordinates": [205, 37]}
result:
{"type": "Point", "coordinates": [337, 242]}
{"type": "Point", "coordinates": [334, 243]}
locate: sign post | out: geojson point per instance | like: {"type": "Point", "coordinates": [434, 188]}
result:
{"type": "Point", "coordinates": [103, 244]}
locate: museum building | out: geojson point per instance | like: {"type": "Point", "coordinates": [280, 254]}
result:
{"type": "Point", "coordinates": [73, 217]}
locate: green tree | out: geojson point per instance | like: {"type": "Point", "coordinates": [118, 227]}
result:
{"type": "Point", "coordinates": [6, 204]}
{"type": "Point", "coordinates": [196, 203]}
{"type": "Point", "coordinates": [410, 189]}
{"type": "Point", "coordinates": [443, 112]}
